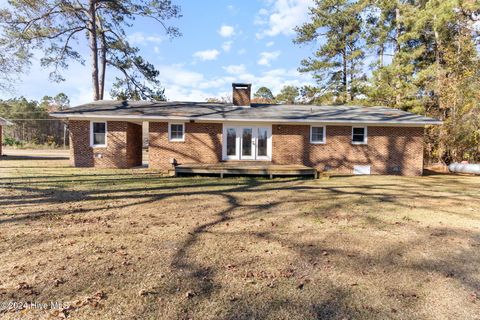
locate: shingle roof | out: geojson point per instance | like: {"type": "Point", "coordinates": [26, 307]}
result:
{"type": "Point", "coordinates": [257, 112]}
{"type": "Point", "coordinates": [5, 122]}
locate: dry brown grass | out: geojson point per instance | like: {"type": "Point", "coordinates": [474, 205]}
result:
{"type": "Point", "coordinates": [124, 244]}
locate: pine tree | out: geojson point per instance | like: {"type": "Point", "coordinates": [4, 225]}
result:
{"type": "Point", "coordinates": [56, 26]}
{"type": "Point", "coordinates": [264, 93]}
{"type": "Point", "coordinates": [337, 64]}
{"type": "Point", "coordinates": [288, 95]}
{"type": "Point", "coordinates": [434, 70]}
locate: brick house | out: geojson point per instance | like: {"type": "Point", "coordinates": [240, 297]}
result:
{"type": "Point", "coordinates": [3, 122]}
{"type": "Point", "coordinates": [343, 139]}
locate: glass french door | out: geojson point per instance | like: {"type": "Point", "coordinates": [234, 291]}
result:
{"type": "Point", "coordinates": [262, 140]}
{"type": "Point", "coordinates": [247, 143]}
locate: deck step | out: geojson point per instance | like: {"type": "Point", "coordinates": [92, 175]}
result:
{"type": "Point", "coordinates": [270, 170]}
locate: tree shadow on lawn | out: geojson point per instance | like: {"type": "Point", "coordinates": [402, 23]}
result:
{"type": "Point", "coordinates": [17, 158]}
{"type": "Point", "coordinates": [335, 300]}
{"type": "Point", "coordinates": [73, 177]}
{"type": "Point", "coordinates": [50, 195]}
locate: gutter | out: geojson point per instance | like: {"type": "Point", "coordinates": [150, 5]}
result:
{"type": "Point", "coordinates": [74, 116]}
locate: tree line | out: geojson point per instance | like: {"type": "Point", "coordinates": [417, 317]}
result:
{"type": "Point", "coordinates": [32, 124]}
{"type": "Point", "coordinates": [416, 55]}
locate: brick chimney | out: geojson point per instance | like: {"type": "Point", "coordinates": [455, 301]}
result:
{"type": "Point", "coordinates": [241, 94]}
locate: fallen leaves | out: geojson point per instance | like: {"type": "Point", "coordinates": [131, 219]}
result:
{"type": "Point", "coordinates": [59, 313]}
{"type": "Point", "coordinates": [24, 286]}
{"type": "Point", "coordinates": [93, 300]}
{"type": "Point", "coordinates": [473, 297]}
{"type": "Point", "coordinates": [263, 274]}
{"type": "Point", "coordinates": [301, 284]}
{"type": "Point", "coordinates": [146, 292]}
{"type": "Point", "coordinates": [58, 281]}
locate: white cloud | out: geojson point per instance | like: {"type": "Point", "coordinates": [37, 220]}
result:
{"type": "Point", "coordinates": [216, 82]}
{"type": "Point", "coordinates": [226, 31]}
{"type": "Point", "coordinates": [275, 73]}
{"type": "Point", "coordinates": [266, 57]}
{"type": "Point", "coordinates": [183, 84]}
{"type": "Point", "coordinates": [235, 69]}
{"type": "Point", "coordinates": [207, 54]}
{"type": "Point", "coordinates": [282, 16]}
{"type": "Point", "coordinates": [176, 74]}
{"type": "Point", "coordinates": [263, 12]}
{"type": "Point", "coordinates": [260, 18]}
{"type": "Point", "coordinates": [269, 44]}
{"type": "Point", "coordinates": [139, 38]}
{"type": "Point", "coordinates": [227, 45]}
{"type": "Point", "coordinates": [275, 79]}
{"type": "Point", "coordinates": [185, 81]}
{"type": "Point", "coordinates": [232, 9]}
{"type": "Point", "coordinates": [181, 93]}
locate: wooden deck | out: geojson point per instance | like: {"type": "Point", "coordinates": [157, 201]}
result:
{"type": "Point", "coordinates": [247, 168]}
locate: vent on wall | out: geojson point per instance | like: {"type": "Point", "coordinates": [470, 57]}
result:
{"type": "Point", "coordinates": [361, 169]}
{"type": "Point", "coordinates": [396, 169]}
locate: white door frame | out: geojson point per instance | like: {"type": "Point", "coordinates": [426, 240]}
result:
{"type": "Point", "coordinates": [239, 130]}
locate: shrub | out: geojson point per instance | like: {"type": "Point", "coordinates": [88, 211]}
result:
{"type": "Point", "coordinates": [12, 142]}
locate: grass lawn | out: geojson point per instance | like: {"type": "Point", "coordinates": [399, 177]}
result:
{"type": "Point", "coordinates": [125, 244]}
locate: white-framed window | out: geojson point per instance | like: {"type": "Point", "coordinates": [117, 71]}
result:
{"type": "Point", "coordinates": [98, 133]}
{"type": "Point", "coordinates": [317, 134]}
{"type": "Point", "coordinates": [359, 135]}
{"type": "Point", "coordinates": [176, 132]}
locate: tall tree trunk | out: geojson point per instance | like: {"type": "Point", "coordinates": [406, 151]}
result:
{"type": "Point", "coordinates": [398, 96]}
{"type": "Point", "coordinates": [381, 53]}
{"type": "Point", "coordinates": [397, 29]}
{"type": "Point", "coordinates": [438, 45]}
{"type": "Point", "coordinates": [92, 38]}
{"type": "Point", "coordinates": [344, 65]}
{"type": "Point", "coordinates": [352, 78]}
{"type": "Point", "coordinates": [103, 63]}
{"type": "Point", "coordinates": [345, 74]}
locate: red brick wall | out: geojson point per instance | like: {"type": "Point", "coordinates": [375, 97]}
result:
{"type": "Point", "coordinates": [81, 154]}
{"type": "Point", "coordinates": [390, 150]}
{"type": "Point", "coordinates": [203, 144]}
{"type": "Point", "coordinates": [123, 150]}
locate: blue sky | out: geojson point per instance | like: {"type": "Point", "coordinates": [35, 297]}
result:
{"type": "Point", "coordinates": [223, 41]}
